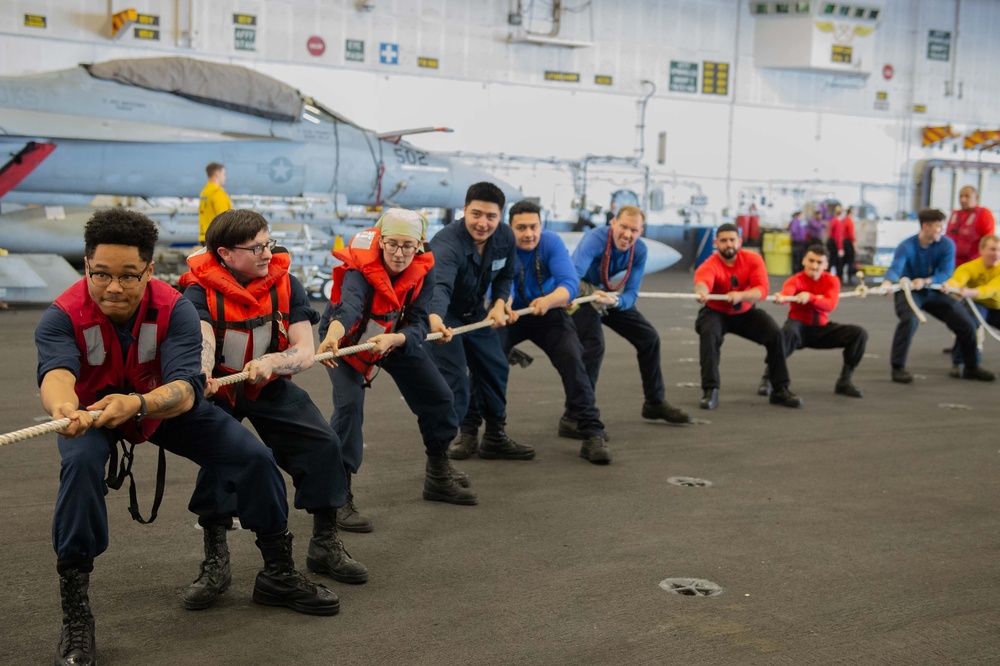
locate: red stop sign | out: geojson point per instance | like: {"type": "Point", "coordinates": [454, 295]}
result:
{"type": "Point", "coordinates": [887, 72]}
{"type": "Point", "coordinates": [316, 45]}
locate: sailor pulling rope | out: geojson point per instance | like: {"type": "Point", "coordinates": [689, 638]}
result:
{"type": "Point", "coordinates": [58, 424]}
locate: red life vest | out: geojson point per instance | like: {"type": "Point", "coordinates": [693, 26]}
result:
{"type": "Point", "coordinates": [387, 301]}
{"type": "Point", "coordinates": [103, 371]}
{"type": "Point", "coordinates": [248, 321]}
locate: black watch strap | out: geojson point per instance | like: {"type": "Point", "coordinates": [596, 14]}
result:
{"type": "Point", "coordinates": [141, 414]}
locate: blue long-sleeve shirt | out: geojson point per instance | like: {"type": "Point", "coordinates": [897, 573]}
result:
{"type": "Point", "coordinates": [553, 269]}
{"type": "Point", "coordinates": [464, 276]}
{"type": "Point", "coordinates": [587, 260]}
{"type": "Point", "coordinates": [937, 261]}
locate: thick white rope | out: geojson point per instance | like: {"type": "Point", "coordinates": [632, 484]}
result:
{"type": "Point", "coordinates": [982, 322]}
{"type": "Point", "coordinates": [59, 424]}
{"type": "Point", "coordinates": [41, 429]}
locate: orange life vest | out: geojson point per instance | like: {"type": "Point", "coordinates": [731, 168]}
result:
{"type": "Point", "coordinates": [386, 303]}
{"type": "Point", "coordinates": [103, 370]}
{"type": "Point", "coordinates": [249, 321]}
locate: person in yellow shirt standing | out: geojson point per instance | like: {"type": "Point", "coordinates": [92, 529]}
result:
{"type": "Point", "coordinates": [213, 199]}
{"type": "Point", "coordinates": [979, 280]}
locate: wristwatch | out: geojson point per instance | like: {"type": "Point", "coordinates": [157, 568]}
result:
{"type": "Point", "coordinates": [141, 414]}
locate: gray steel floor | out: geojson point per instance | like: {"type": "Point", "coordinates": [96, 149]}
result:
{"type": "Point", "coordinates": [846, 532]}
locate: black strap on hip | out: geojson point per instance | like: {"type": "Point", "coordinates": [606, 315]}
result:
{"type": "Point", "coordinates": [116, 480]}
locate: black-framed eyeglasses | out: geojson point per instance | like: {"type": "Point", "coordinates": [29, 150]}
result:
{"type": "Point", "coordinates": [126, 280]}
{"type": "Point", "coordinates": [393, 247]}
{"type": "Point", "coordinates": [257, 249]}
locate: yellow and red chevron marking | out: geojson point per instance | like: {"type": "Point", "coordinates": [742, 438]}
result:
{"type": "Point", "coordinates": [122, 19]}
{"type": "Point", "coordinates": [982, 139]}
{"type": "Point", "coordinates": [933, 135]}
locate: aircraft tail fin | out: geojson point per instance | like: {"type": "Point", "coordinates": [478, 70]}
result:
{"type": "Point", "coordinates": [22, 164]}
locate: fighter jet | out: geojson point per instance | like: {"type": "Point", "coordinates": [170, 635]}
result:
{"type": "Point", "coordinates": [148, 127]}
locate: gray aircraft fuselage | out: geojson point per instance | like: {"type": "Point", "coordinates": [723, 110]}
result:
{"type": "Point", "coordinates": [113, 138]}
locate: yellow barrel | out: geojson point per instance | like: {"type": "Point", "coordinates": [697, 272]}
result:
{"type": "Point", "coordinates": [778, 253]}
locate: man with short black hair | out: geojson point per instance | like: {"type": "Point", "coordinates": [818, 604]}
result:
{"type": "Point", "coordinates": [925, 259]}
{"type": "Point", "coordinates": [473, 256]}
{"type": "Point", "coordinates": [742, 277]}
{"type": "Point", "coordinates": [256, 318]}
{"type": "Point", "coordinates": [546, 281]}
{"type": "Point", "coordinates": [603, 254]}
{"type": "Point", "coordinates": [213, 200]}
{"type": "Point", "coordinates": [813, 294]}
{"type": "Point", "coordinates": [125, 343]}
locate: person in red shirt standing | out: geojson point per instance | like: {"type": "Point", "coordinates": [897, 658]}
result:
{"type": "Point", "coordinates": [968, 225]}
{"type": "Point", "coordinates": [835, 241]}
{"type": "Point", "coordinates": [850, 239]}
{"type": "Point", "coordinates": [812, 295]}
{"type": "Point", "coordinates": [742, 278]}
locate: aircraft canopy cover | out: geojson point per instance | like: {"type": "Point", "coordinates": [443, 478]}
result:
{"type": "Point", "coordinates": [226, 86]}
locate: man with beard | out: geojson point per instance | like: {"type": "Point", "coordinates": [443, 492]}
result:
{"type": "Point", "coordinates": [813, 295]}
{"type": "Point", "coordinates": [742, 277]}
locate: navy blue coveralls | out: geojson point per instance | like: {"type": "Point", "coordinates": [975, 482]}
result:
{"type": "Point", "coordinates": [463, 279]}
{"type": "Point", "coordinates": [205, 434]}
{"type": "Point", "coordinates": [423, 388]}
{"type": "Point", "coordinates": [289, 423]}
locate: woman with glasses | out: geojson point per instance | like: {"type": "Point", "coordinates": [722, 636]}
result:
{"type": "Point", "coordinates": [257, 318]}
{"type": "Point", "coordinates": [380, 294]}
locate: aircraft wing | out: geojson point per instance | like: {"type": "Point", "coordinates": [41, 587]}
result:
{"type": "Point", "coordinates": [397, 135]}
{"type": "Point", "coordinates": [25, 123]}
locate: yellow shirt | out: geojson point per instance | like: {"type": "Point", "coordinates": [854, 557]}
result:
{"type": "Point", "coordinates": [214, 200]}
{"type": "Point", "coordinates": [975, 275]}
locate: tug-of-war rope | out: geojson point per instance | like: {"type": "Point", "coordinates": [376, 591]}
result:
{"type": "Point", "coordinates": [58, 424]}
{"type": "Point", "coordinates": [861, 291]}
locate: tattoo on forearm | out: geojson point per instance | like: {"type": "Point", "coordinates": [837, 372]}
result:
{"type": "Point", "coordinates": [208, 357]}
{"type": "Point", "coordinates": [171, 395]}
{"type": "Point", "coordinates": [285, 362]}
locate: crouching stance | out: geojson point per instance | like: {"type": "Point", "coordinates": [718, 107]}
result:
{"type": "Point", "coordinates": [256, 318]}
{"type": "Point", "coordinates": [813, 294]}
{"type": "Point", "coordinates": [380, 295]}
{"type": "Point", "coordinates": [125, 343]}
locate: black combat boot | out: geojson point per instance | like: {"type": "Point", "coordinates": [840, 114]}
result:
{"type": "Point", "coordinates": [465, 446]}
{"type": "Point", "coordinates": [327, 554]}
{"type": "Point", "coordinates": [783, 396]}
{"type": "Point", "coordinates": [664, 410]}
{"type": "Point", "coordinates": [844, 385]}
{"type": "Point", "coordinates": [216, 575]}
{"type": "Point", "coordinates": [764, 387]}
{"type": "Point", "coordinates": [569, 428]}
{"type": "Point", "coordinates": [440, 484]}
{"type": "Point", "coordinates": [76, 642]}
{"type": "Point", "coordinates": [461, 478]}
{"type": "Point", "coordinates": [349, 518]}
{"type": "Point", "coordinates": [496, 445]}
{"type": "Point", "coordinates": [709, 398]}
{"type": "Point", "coordinates": [279, 584]}
{"type": "Point", "coordinates": [595, 449]}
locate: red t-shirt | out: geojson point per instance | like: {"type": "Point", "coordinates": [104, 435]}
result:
{"type": "Point", "coordinates": [748, 272]}
{"type": "Point", "coordinates": [817, 311]}
{"type": "Point", "coordinates": [837, 232]}
{"type": "Point", "coordinates": [849, 229]}
{"type": "Point", "coordinates": [967, 232]}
